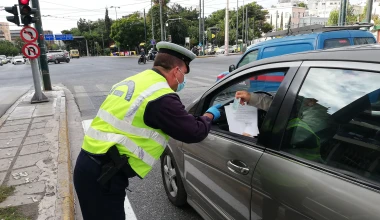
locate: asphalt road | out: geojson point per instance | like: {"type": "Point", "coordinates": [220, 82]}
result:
{"type": "Point", "coordinates": [90, 79]}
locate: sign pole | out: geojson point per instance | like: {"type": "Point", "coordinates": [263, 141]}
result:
{"type": "Point", "coordinates": [41, 43]}
{"type": "Point", "coordinates": [38, 95]}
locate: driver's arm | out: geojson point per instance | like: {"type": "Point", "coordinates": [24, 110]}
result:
{"type": "Point", "coordinates": [260, 100]}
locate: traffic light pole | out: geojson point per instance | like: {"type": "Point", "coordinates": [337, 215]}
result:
{"type": "Point", "coordinates": [38, 95]}
{"type": "Point", "coordinates": [41, 43]}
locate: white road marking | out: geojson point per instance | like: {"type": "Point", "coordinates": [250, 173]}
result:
{"type": "Point", "coordinates": [129, 213]}
{"type": "Point", "coordinates": [205, 79]}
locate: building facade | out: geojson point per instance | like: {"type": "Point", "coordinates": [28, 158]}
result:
{"type": "Point", "coordinates": [14, 34]}
{"type": "Point", "coordinates": [4, 31]}
{"type": "Point", "coordinates": [279, 17]}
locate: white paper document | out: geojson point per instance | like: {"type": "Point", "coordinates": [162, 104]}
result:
{"type": "Point", "coordinates": [243, 120]}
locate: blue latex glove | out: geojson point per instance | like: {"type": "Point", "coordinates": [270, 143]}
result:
{"type": "Point", "coordinates": [214, 110]}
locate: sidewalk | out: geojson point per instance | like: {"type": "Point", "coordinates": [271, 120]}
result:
{"type": "Point", "coordinates": [35, 157]}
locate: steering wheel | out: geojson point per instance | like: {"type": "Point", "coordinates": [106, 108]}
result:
{"type": "Point", "coordinates": [261, 113]}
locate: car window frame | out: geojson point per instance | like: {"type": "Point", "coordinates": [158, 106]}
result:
{"type": "Point", "coordinates": [258, 53]}
{"type": "Point", "coordinates": [203, 104]}
{"type": "Point", "coordinates": [278, 131]}
{"type": "Point", "coordinates": [342, 38]}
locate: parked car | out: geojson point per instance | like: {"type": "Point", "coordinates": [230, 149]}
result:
{"type": "Point", "coordinates": [326, 38]}
{"type": "Point", "coordinates": [74, 54]}
{"type": "Point", "coordinates": [58, 57]}
{"type": "Point", "coordinates": [9, 59]}
{"type": "Point", "coordinates": [1, 62]}
{"type": "Point", "coordinates": [222, 49]}
{"type": "Point", "coordinates": [17, 60]}
{"type": "Point", "coordinates": [273, 175]}
{"type": "Point", "coordinates": [3, 59]}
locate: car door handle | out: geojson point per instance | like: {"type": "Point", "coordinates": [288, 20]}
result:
{"type": "Point", "coordinates": [238, 167]}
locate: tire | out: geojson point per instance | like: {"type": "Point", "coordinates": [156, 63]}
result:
{"type": "Point", "coordinates": [56, 61]}
{"type": "Point", "coordinates": [171, 176]}
{"type": "Point", "coordinates": [67, 60]}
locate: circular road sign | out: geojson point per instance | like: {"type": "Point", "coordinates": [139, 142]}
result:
{"type": "Point", "coordinates": [29, 34]}
{"type": "Point", "coordinates": [31, 51]}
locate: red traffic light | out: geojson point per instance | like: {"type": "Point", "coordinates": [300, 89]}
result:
{"type": "Point", "coordinates": [24, 2]}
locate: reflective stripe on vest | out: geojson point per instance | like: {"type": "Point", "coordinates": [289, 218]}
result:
{"type": "Point", "coordinates": [148, 92]}
{"type": "Point", "coordinates": [122, 140]}
{"type": "Point", "coordinates": [296, 122]}
{"type": "Point", "coordinates": [128, 128]}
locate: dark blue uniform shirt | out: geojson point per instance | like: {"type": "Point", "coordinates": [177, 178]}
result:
{"type": "Point", "coordinates": [168, 114]}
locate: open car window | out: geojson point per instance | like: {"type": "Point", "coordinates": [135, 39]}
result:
{"type": "Point", "coordinates": [246, 119]}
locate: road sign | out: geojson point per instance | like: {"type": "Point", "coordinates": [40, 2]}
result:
{"type": "Point", "coordinates": [64, 37]}
{"type": "Point", "coordinates": [49, 37]}
{"type": "Point", "coordinates": [200, 44]}
{"type": "Point", "coordinates": [31, 50]}
{"type": "Point", "coordinates": [29, 34]}
{"type": "Point", "coordinates": [153, 41]}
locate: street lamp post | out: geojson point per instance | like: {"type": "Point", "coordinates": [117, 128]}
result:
{"type": "Point", "coordinates": [167, 24]}
{"type": "Point", "coordinates": [115, 9]}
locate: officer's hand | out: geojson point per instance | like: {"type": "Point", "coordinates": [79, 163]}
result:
{"type": "Point", "coordinates": [214, 110]}
{"type": "Point", "coordinates": [244, 96]}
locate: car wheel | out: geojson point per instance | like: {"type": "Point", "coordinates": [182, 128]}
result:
{"type": "Point", "coordinates": [56, 61]}
{"type": "Point", "coordinates": [68, 61]}
{"type": "Point", "coordinates": [172, 179]}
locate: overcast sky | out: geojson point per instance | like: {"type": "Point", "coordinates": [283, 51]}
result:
{"type": "Point", "coordinates": [69, 11]}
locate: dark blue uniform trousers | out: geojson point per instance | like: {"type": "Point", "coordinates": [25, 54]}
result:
{"type": "Point", "coordinates": [98, 202]}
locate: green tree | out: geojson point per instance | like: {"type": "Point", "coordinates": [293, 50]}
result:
{"type": "Point", "coordinates": [302, 4]}
{"type": "Point", "coordinates": [19, 43]}
{"type": "Point", "coordinates": [107, 29]}
{"type": "Point", "coordinates": [8, 49]}
{"type": "Point", "coordinates": [128, 32]}
{"type": "Point", "coordinates": [333, 18]}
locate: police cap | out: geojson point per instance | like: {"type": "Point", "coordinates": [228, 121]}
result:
{"type": "Point", "coordinates": [178, 51]}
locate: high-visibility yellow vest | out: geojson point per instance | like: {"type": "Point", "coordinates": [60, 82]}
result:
{"type": "Point", "coordinates": [120, 122]}
{"type": "Point", "coordinates": [312, 152]}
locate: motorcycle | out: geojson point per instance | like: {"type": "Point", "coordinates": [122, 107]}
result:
{"type": "Point", "coordinates": [142, 59]}
{"type": "Point", "coordinates": [151, 55]}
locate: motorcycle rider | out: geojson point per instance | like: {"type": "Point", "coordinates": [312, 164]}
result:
{"type": "Point", "coordinates": [142, 54]}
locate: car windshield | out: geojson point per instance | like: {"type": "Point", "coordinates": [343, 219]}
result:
{"type": "Point", "coordinates": [18, 57]}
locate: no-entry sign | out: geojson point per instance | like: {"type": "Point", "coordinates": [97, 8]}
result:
{"type": "Point", "coordinates": [29, 34]}
{"type": "Point", "coordinates": [31, 51]}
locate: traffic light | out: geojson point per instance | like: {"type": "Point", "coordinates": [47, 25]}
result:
{"type": "Point", "coordinates": [14, 19]}
{"type": "Point", "coordinates": [26, 12]}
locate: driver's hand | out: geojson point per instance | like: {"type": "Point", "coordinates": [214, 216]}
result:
{"type": "Point", "coordinates": [244, 96]}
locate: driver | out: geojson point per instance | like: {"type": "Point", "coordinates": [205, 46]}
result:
{"type": "Point", "coordinates": [302, 124]}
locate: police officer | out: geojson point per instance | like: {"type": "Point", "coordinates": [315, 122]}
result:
{"type": "Point", "coordinates": [131, 131]}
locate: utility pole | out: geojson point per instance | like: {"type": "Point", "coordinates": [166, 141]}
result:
{"type": "Point", "coordinates": [151, 8]}
{"type": "Point", "coordinates": [369, 11]}
{"type": "Point", "coordinates": [200, 20]}
{"type": "Point", "coordinates": [344, 12]}
{"type": "Point", "coordinates": [246, 26]}
{"type": "Point", "coordinates": [253, 29]}
{"type": "Point", "coordinates": [226, 32]}
{"type": "Point", "coordinates": [144, 26]}
{"type": "Point", "coordinates": [162, 27]}
{"type": "Point", "coordinates": [203, 26]}
{"type": "Point", "coordinates": [41, 44]}
{"type": "Point", "coordinates": [276, 19]}
{"type": "Point", "coordinates": [237, 23]}
{"type": "Point", "coordinates": [242, 27]}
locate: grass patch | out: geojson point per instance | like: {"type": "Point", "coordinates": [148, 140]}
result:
{"type": "Point", "coordinates": [11, 213]}
{"type": "Point", "coordinates": [6, 191]}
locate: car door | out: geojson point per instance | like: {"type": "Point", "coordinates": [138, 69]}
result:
{"type": "Point", "coordinates": [328, 166]}
{"type": "Point", "coordinates": [218, 170]}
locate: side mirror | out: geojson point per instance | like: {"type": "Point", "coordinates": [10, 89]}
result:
{"type": "Point", "coordinates": [231, 68]}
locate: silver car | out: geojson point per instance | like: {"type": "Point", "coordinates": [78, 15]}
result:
{"type": "Point", "coordinates": [317, 154]}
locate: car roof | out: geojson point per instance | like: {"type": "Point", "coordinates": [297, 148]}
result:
{"type": "Point", "coordinates": [305, 37]}
{"type": "Point", "coordinates": [368, 53]}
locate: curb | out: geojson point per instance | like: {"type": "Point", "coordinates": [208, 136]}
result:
{"type": "Point", "coordinates": [65, 199]}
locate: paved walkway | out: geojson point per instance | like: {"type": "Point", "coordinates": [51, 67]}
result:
{"type": "Point", "coordinates": [35, 158]}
